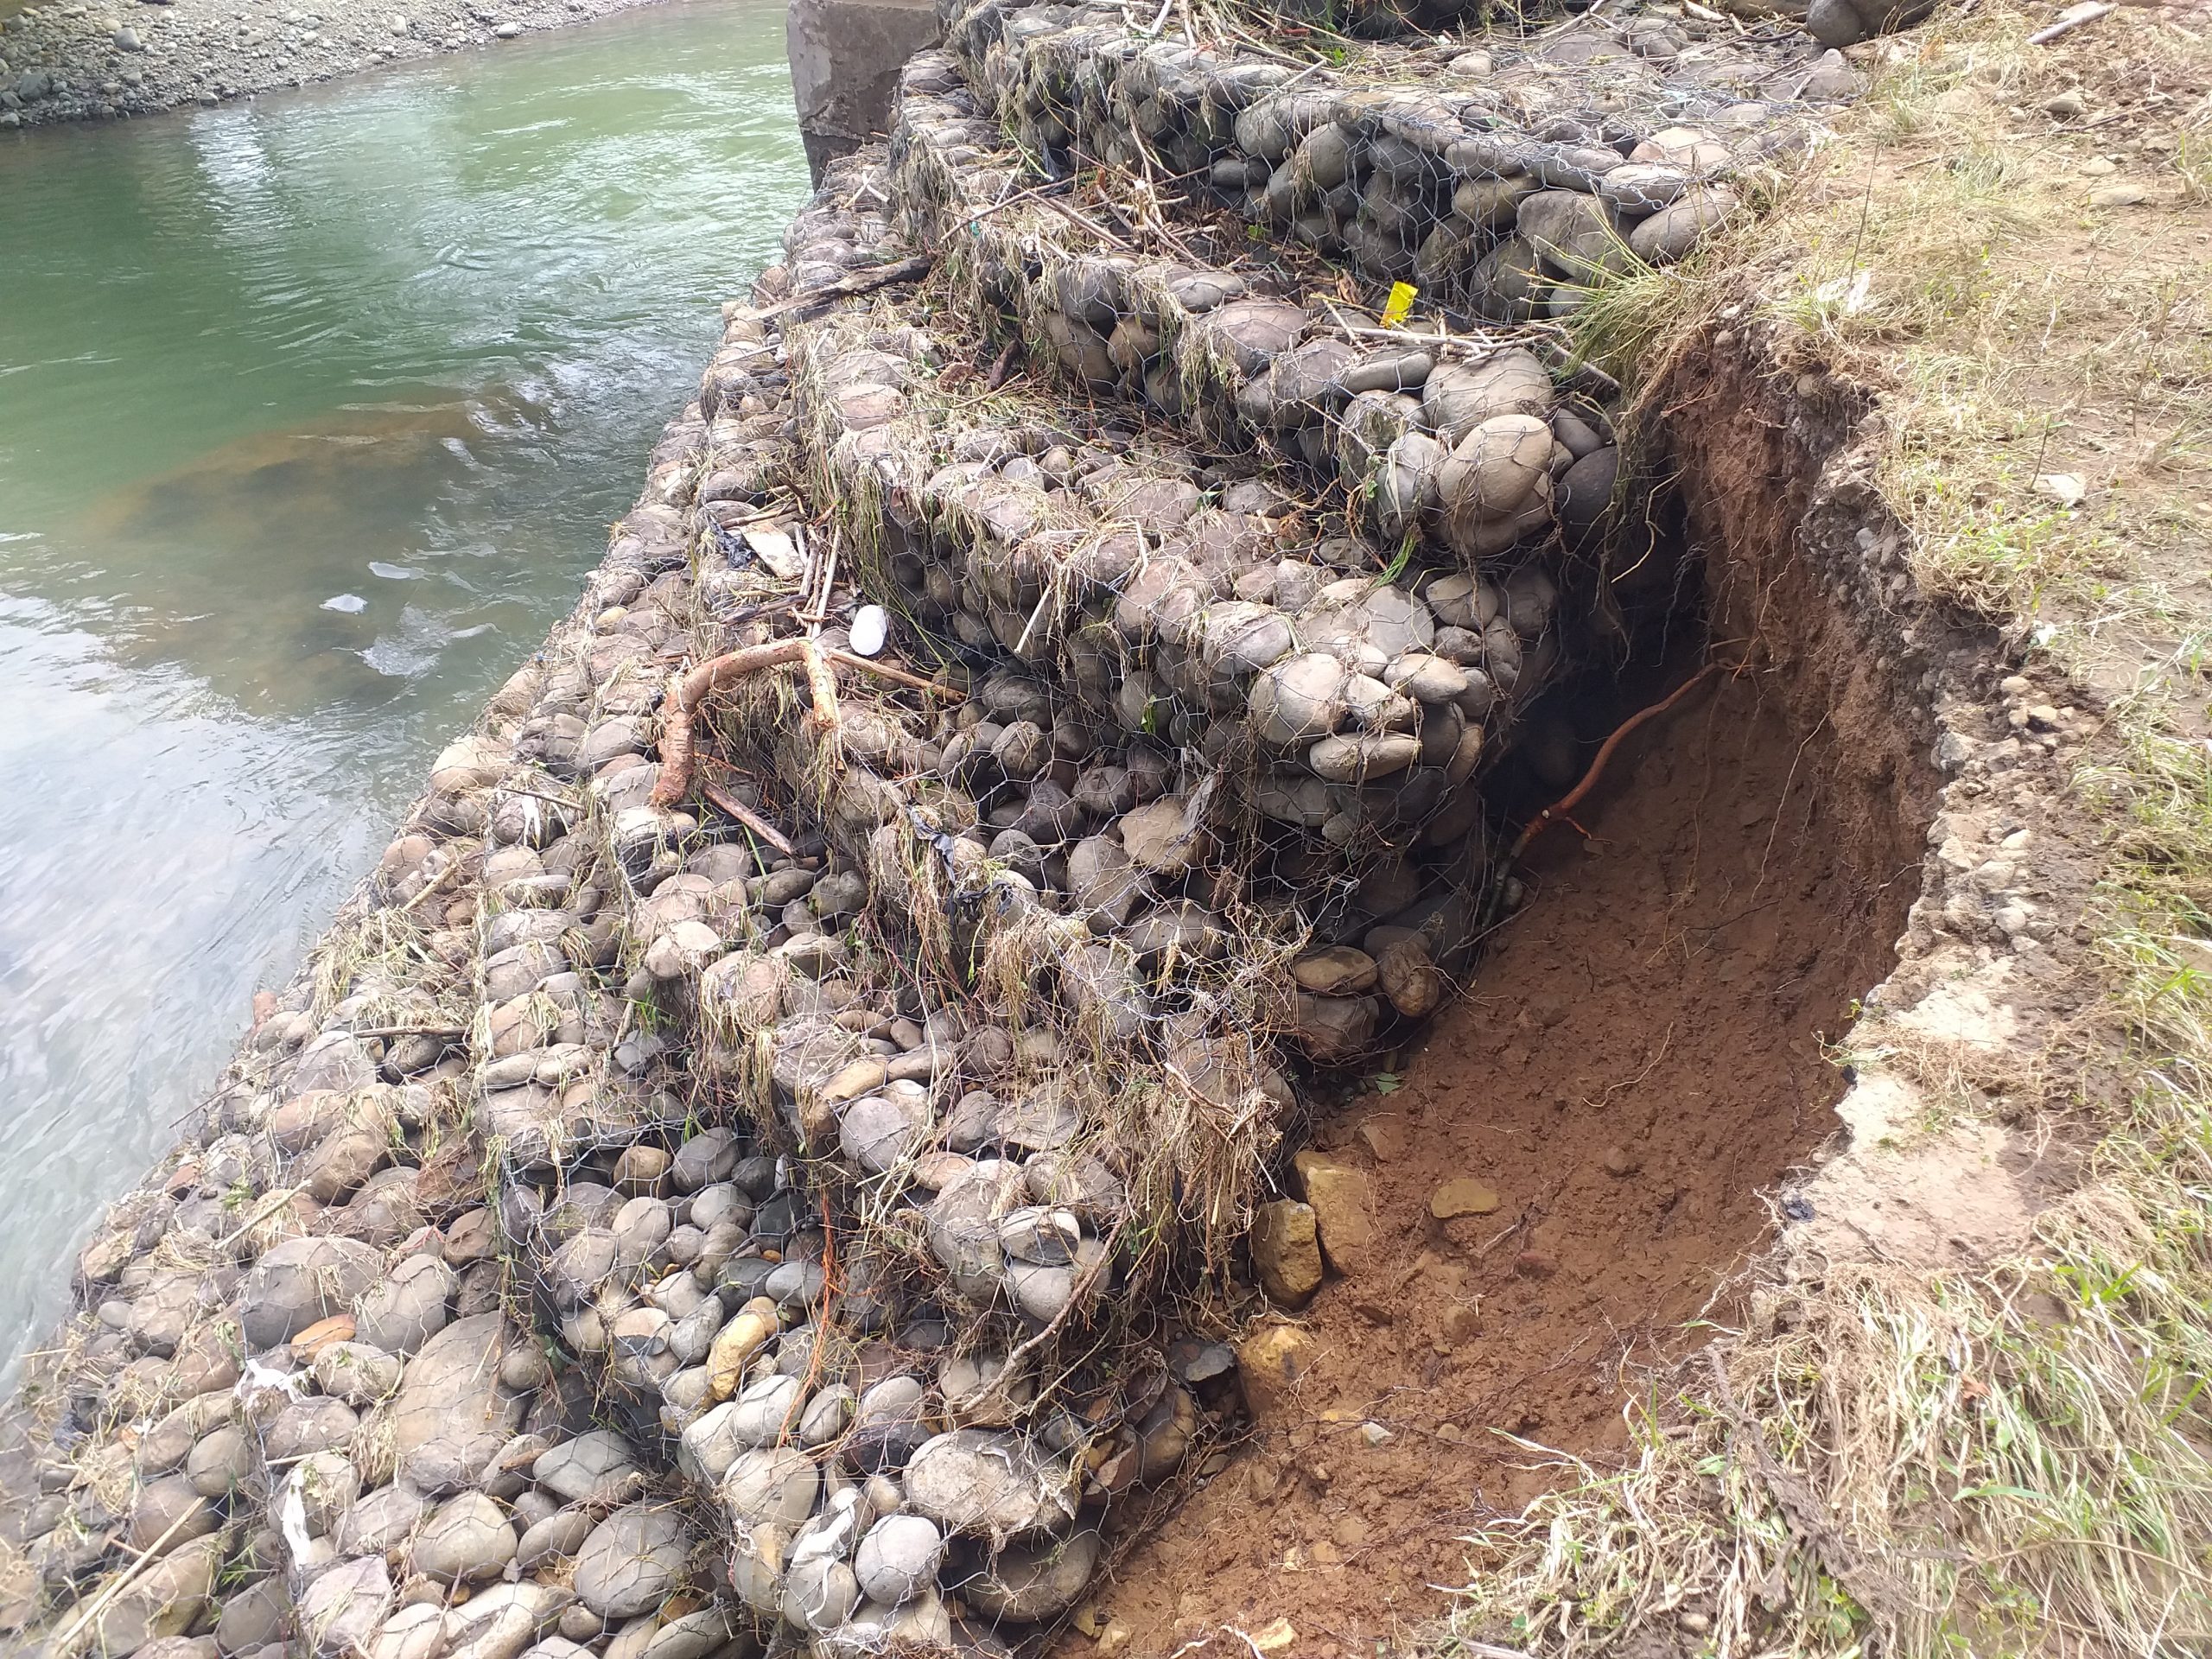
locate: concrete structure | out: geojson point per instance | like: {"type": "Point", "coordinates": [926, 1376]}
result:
{"type": "Point", "coordinates": [845, 58]}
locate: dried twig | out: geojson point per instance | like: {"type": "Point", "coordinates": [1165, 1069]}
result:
{"type": "Point", "coordinates": [744, 815]}
{"type": "Point", "coordinates": [2073, 18]}
{"type": "Point", "coordinates": [896, 675]}
{"type": "Point", "coordinates": [906, 270]}
{"type": "Point", "coordinates": [122, 1581]}
{"type": "Point", "coordinates": [823, 684]}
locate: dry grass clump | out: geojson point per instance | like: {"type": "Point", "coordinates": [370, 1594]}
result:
{"type": "Point", "coordinates": [2014, 243]}
{"type": "Point", "coordinates": [2016, 1458]}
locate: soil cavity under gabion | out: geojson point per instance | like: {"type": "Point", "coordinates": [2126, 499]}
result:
{"type": "Point", "coordinates": [1633, 1072]}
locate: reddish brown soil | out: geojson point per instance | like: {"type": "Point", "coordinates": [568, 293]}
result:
{"type": "Point", "coordinates": [1634, 1070]}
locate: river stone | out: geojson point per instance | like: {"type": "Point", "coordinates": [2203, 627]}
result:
{"type": "Point", "coordinates": [1297, 699]}
{"type": "Point", "coordinates": [168, 1443]}
{"type": "Point", "coordinates": [1462, 396]}
{"type": "Point", "coordinates": [876, 1132]}
{"type": "Point", "coordinates": [378, 1521]}
{"type": "Point", "coordinates": [1574, 235]}
{"type": "Point", "coordinates": [1426, 678]}
{"type": "Point", "coordinates": [1583, 492]}
{"type": "Point", "coordinates": [794, 1284]}
{"type": "Point", "coordinates": [889, 1424]}
{"type": "Point", "coordinates": [591, 1464]}
{"type": "Point", "coordinates": [641, 1226]}
{"type": "Point", "coordinates": [757, 1557]}
{"type": "Point", "coordinates": [692, 1635]}
{"type": "Point", "coordinates": [219, 1461]}
{"type": "Point", "coordinates": [326, 1485]}
{"type": "Point", "coordinates": [1337, 971]}
{"type": "Point", "coordinates": [164, 1599]}
{"type": "Point", "coordinates": [819, 1594]}
{"type": "Point", "coordinates": [826, 1416]}
{"type": "Point", "coordinates": [763, 1408]}
{"type": "Point", "coordinates": [170, 1500]}
{"type": "Point", "coordinates": [1363, 758]}
{"type": "Point", "coordinates": [1414, 984]}
{"type": "Point", "coordinates": [1404, 485]}
{"type": "Point", "coordinates": [1024, 1583]}
{"type": "Point", "coordinates": [315, 1424]}
{"type": "Point", "coordinates": [1162, 838]}
{"type": "Point", "coordinates": [705, 1160]}
{"type": "Point", "coordinates": [1237, 639]}
{"type": "Point", "coordinates": [1508, 282]}
{"type": "Point", "coordinates": [451, 1413]}
{"type": "Point", "coordinates": [1392, 372]}
{"type": "Point", "coordinates": [898, 1559]}
{"type": "Point", "coordinates": [1674, 231]}
{"type": "Point", "coordinates": [253, 1617]}
{"type": "Point", "coordinates": [772, 1487]}
{"type": "Point", "coordinates": [1251, 330]}
{"type": "Point", "coordinates": [1496, 468]}
{"type": "Point", "coordinates": [975, 1480]}
{"type": "Point", "coordinates": [1303, 383]}
{"type": "Point", "coordinates": [338, 1164]}
{"type": "Point", "coordinates": [1286, 1252]}
{"type": "Point", "coordinates": [466, 1541]}
{"type": "Point", "coordinates": [1334, 1027]}
{"type": "Point", "coordinates": [632, 1561]}
{"type": "Point", "coordinates": [298, 1281]}
{"type": "Point", "coordinates": [334, 1061]}
{"type": "Point", "coordinates": [344, 1606]}
{"type": "Point", "coordinates": [563, 1533]}
{"type": "Point", "coordinates": [580, 1266]}
{"type": "Point", "coordinates": [1100, 878]}
{"type": "Point", "coordinates": [403, 1311]}
{"type": "Point", "coordinates": [356, 1372]}
{"type": "Point", "coordinates": [1041, 1293]}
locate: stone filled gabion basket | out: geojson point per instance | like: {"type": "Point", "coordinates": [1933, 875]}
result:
{"type": "Point", "coordinates": [714, 1188]}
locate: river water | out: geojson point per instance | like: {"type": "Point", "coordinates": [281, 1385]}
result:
{"type": "Point", "coordinates": [312, 412]}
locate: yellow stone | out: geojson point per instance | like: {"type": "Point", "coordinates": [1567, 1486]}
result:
{"type": "Point", "coordinates": [1286, 1252]}
{"type": "Point", "coordinates": [860, 1078]}
{"type": "Point", "coordinates": [736, 1344]}
{"type": "Point", "coordinates": [1271, 1362]}
{"type": "Point", "coordinates": [1343, 1209]}
{"type": "Point", "coordinates": [1386, 1135]}
{"type": "Point", "coordinates": [1462, 1196]}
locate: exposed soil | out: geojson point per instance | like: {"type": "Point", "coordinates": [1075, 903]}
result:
{"type": "Point", "coordinates": [1637, 1068]}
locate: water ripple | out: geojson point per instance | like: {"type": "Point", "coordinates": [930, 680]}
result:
{"type": "Point", "coordinates": [253, 352]}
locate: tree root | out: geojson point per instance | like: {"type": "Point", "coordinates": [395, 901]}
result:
{"type": "Point", "coordinates": [1559, 809]}
{"type": "Point", "coordinates": [687, 691]}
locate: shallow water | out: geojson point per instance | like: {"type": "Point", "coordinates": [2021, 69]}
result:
{"type": "Point", "coordinates": [312, 412]}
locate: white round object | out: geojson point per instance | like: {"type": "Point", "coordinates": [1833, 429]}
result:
{"type": "Point", "coordinates": [871, 627]}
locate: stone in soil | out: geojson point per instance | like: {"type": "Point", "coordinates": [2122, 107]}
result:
{"type": "Point", "coordinates": [1462, 1195]}
{"type": "Point", "coordinates": [1344, 1210]}
{"type": "Point", "coordinates": [1286, 1252]}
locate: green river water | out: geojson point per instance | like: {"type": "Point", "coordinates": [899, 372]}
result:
{"type": "Point", "coordinates": [312, 412]}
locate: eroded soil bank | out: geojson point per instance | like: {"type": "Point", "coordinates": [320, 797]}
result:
{"type": "Point", "coordinates": [1633, 1076]}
